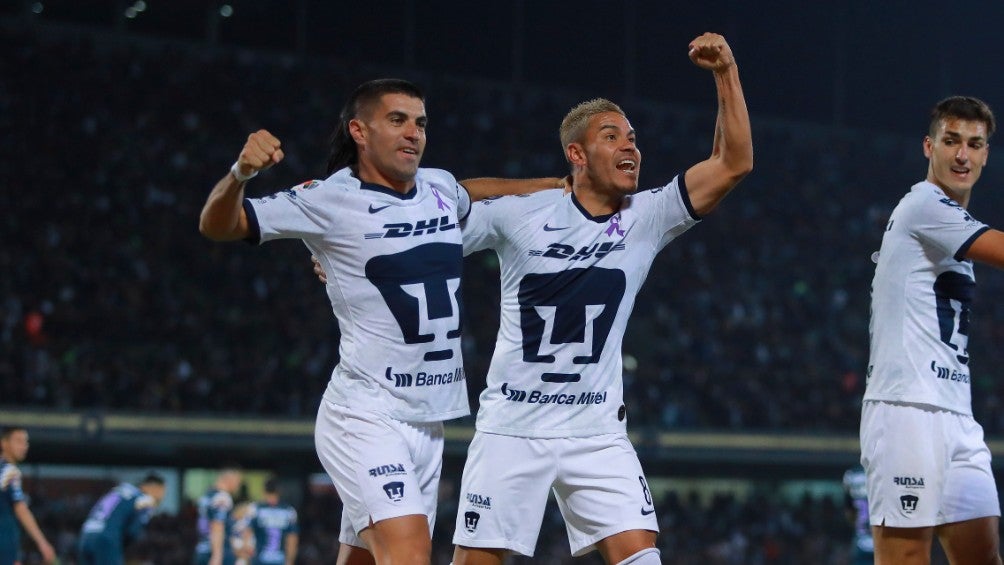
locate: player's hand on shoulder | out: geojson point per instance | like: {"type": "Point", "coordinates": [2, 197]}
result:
{"type": "Point", "coordinates": [261, 151]}
{"type": "Point", "coordinates": [710, 51]}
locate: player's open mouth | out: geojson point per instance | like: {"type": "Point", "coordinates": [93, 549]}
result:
{"type": "Point", "coordinates": [960, 171]}
{"type": "Point", "coordinates": [627, 166]}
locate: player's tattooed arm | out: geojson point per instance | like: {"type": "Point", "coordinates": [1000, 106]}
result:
{"type": "Point", "coordinates": [709, 181]}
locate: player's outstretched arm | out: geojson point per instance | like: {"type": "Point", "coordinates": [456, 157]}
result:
{"type": "Point", "coordinates": [988, 248]}
{"type": "Point", "coordinates": [486, 187]}
{"type": "Point", "coordinates": [223, 217]}
{"type": "Point", "coordinates": [709, 181]}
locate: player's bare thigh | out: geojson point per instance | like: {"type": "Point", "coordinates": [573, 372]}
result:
{"type": "Point", "coordinates": [622, 545]}
{"type": "Point", "coordinates": [479, 556]}
{"type": "Point", "coordinates": [902, 546]}
{"type": "Point", "coordinates": [404, 540]}
{"type": "Point", "coordinates": [971, 542]}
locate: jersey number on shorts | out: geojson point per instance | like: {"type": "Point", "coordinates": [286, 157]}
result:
{"type": "Point", "coordinates": [421, 287]}
{"type": "Point", "coordinates": [951, 288]}
{"type": "Point", "coordinates": [570, 312]}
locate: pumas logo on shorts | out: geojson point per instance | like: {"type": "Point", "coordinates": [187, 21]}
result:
{"type": "Point", "coordinates": [471, 521]}
{"type": "Point", "coordinates": [479, 501]}
{"type": "Point", "coordinates": [394, 490]}
{"type": "Point", "coordinates": [909, 482]}
{"type": "Point", "coordinates": [909, 503]}
{"type": "Point", "coordinates": [390, 470]}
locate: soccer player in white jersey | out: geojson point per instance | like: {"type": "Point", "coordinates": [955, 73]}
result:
{"type": "Point", "coordinates": [386, 232]}
{"type": "Point", "coordinates": [928, 468]}
{"type": "Point", "coordinates": [552, 416]}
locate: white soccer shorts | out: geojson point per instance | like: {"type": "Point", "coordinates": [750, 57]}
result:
{"type": "Point", "coordinates": [381, 467]}
{"type": "Point", "coordinates": [598, 482]}
{"type": "Point", "coordinates": [925, 466]}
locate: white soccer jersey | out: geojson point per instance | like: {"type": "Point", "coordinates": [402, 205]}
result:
{"type": "Point", "coordinates": [393, 264]}
{"type": "Point", "coordinates": [921, 297]}
{"type": "Point", "coordinates": [569, 283]}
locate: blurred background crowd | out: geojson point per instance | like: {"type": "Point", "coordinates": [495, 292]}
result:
{"type": "Point", "coordinates": [756, 320]}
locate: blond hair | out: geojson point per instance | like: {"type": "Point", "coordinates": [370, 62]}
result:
{"type": "Point", "coordinates": [573, 127]}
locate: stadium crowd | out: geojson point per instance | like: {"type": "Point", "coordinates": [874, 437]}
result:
{"type": "Point", "coordinates": [719, 530]}
{"type": "Point", "coordinates": [110, 299]}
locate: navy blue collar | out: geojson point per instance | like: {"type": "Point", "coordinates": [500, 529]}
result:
{"type": "Point", "coordinates": [598, 219]}
{"type": "Point", "coordinates": [389, 191]}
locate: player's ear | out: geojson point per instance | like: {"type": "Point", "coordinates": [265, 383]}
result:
{"type": "Point", "coordinates": [576, 154]}
{"type": "Point", "coordinates": [357, 129]}
{"type": "Point", "coordinates": [928, 146]}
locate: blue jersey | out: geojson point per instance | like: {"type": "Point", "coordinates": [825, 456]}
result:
{"type": "Point", "coordinates": [10, 495]}
{"type": "Point", "coordinates": [120, 515]}
{"type": "Point", "coordinates": [270, 525]}
{"type": "Point", "coordinates": [214, 506]}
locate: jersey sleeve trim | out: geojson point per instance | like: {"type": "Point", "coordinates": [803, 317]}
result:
{"type": "Point", "coordinates": [685, 196]}
{"type": "Point", "coordinates": [469, 208]}
{"type": "Point", "coordinates": [960, 255]}
{"type": "Point", "coordinates": [254, 228]}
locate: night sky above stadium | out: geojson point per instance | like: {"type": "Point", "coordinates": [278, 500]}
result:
{"type": "Point", "coordinates": [878, 65]}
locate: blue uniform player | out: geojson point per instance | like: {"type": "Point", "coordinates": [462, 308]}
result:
{"type": "Point", "coordinates": [274, 526]}
{"type": "Point", "coordinates": [118, 519]}
{"type": "Point", "coordinates": [13, 503]}
{"type": "Point", "coordinates": [216, 520]}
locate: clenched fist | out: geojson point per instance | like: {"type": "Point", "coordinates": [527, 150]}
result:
{"type": "Point", "coordinates": [711, 51]}
{"type": "Point", "coordinates": [259, 153]}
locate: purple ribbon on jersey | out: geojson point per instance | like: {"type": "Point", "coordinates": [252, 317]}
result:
{"type": "Point", "coordinates": [615, 225]}
{"type": "Point", "coordinates": [439, 201]}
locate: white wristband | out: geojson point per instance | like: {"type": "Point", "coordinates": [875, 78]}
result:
{"type": "Point", "coordinates": [236, 172]}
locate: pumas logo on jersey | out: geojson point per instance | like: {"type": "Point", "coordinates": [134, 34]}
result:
{"type": "Point", "coordinates": [909, 503]}
{"type": "Point", "coordinates": [471, 520]}
{"type": "Point", "coordinates": [909, 482]}
{"type": "Point", "coordinates": [388, 470]}
{"type": "Point", "coordinates": [949, 374]}
{"type": "Point", "coordinates": [394, 491]}
{"type": "Point", "coordinates": [424, 379]}
{"type": "Point", "coordinates": [538, 397]}
{"type": "Point", "coordinates": [479, 501]}
{"type": "Point", "coordinates": [563, 251]}
{"type": "Point", "coordinates": [405, 229]}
